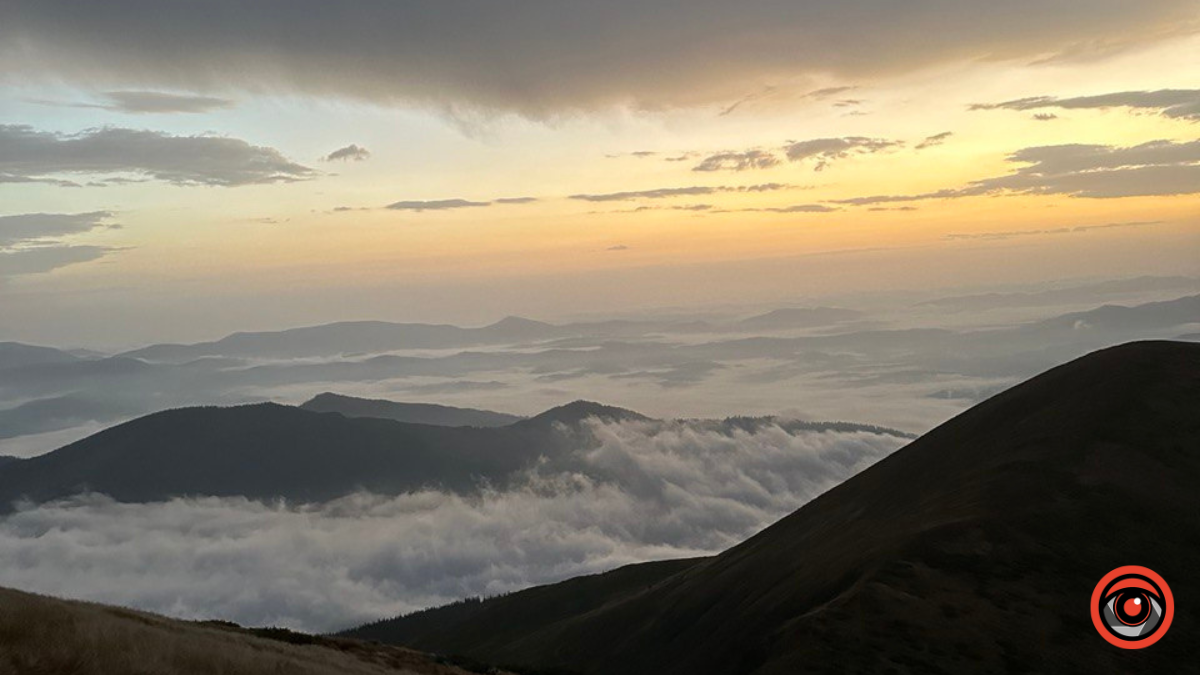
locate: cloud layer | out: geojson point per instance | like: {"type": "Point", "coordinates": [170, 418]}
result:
{"type": "Point", "coordinates": [28, 155]}
{"type": "Point", "coordinates": [643, 492]}
{"type": "Point", "coordinates": [557, 55]}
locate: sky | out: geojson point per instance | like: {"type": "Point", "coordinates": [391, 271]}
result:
{"type": "Point", "coordinates": [180, 171]}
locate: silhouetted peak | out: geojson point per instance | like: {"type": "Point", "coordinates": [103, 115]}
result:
{"type": "Point", "coordinates": [577, 411]}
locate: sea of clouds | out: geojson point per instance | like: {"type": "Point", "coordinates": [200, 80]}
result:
{"type": "Point", "coordinates": [645, 491]}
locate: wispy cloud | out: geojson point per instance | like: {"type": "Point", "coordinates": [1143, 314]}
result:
{"type": "Point", "coordinates": [1011, 234]}
{"type": "Point", "coordinates": [144, 102]}
{"type": "Point", "coordinates": [32, 243]}
{"type": "Point", "coordinates": [934, 140]}
{"type": "Point", "coordinates": [691, 191]}
{"type": "Point", "coordinates": [450, 204]}
{"type": "Point", "coordinates": [1181, 104]}
{"type": "Point", "coordinates": [435, 205]}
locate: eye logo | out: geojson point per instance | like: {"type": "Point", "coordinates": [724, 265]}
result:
{"type": "Point", "coordinates": [1132, 607]}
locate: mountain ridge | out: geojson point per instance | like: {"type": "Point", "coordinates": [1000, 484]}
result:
{"type": "Point", "coordinates": [416, 413]}
{"type": "Point", "coordinates": [1007, 514]}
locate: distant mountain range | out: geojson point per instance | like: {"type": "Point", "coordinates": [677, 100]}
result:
{"type": "Point", "coordinates": [16, 355]}
{"type": "Point", "coordinates": [364, 337]}
{"type": "Point", "coordinates": [46, 391]}
{"type": "Point", "coordinates": [973, 549]}
{"type": "Point", "coordinates": [415, 413]}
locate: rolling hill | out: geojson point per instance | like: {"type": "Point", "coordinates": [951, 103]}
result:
{"type": "Point", "coordinates": [973, 549]}
{"type": "Point", "coordinates": [413, 413]}
{"type": "Point", "coordinates": [39, 634]}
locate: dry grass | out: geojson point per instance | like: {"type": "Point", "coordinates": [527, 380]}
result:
{"type": "Point", "coordinates": [46, 636]}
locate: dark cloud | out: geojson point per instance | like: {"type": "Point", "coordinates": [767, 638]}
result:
{"type": "Point", "coordinates": [618, 247]}
{"type": "Point", "coordinates": [559, 55]}
{"type": "Point", "coordinates": [436, 205]}
{"type": "Point", "coordinates": [1156, 168]}
{"type": "Point", "coordinates": [1045, 117]}
{"type": "Point", "coordinates": [30, 227]}
{"type": "Point", "coordinates": [351, 152]}
{"type": "Point", "coordinates": [823, 151]}
{"type": "Point", "coordinates": [1175, 103]}
{"type": "Point", "coordinates": [934, 140]}
{"type": "Point", "coordinates": [516, 200]}
{"type": "Point", "coordinates": [27, 154]}
{"type": "Point", "coordinates": [663, 193]}
{"type": "Point", "coordinates": [738, 161]}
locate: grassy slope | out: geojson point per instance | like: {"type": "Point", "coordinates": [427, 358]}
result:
{"type": "Point", "coordinates": [47, 636]}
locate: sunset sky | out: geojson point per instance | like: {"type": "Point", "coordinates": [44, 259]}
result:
{"type": "Point", "coordinates": [166, 177]}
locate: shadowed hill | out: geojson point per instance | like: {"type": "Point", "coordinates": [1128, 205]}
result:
{"type": "Point", "coordinates": [46, 635]}
{"type": "Point", "coordinates": [415, 413]}
{"type": "Point", "coordinates": [269, 451]}
{"type": "Point", "coordinates": [973, 549]}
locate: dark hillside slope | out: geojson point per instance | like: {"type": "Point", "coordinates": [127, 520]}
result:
{"type": "Point", "coordinates": [47, 636]}
{"type": "Point", "coordinates": [973, 549]}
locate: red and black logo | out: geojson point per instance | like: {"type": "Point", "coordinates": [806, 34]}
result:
{"type": "Point", "coordinates": [1132, 607]}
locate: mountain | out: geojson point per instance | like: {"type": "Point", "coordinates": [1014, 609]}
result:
{"type": "Point", "coordinates": [5, 459]}
{"type": "Point", "coordinates": [16, 354]}
{"type": "Point", "coordinates": [973, 549]}
{"type": "Point", "coordinates": [39, 634]}
{"type": "Point", "coordinates": [805, 317]}
{"type": "Point", "coordinates": [416, 413]}
{"type": "Point", "coordinates": [576, 412]}
{"type": "Point", "coordinates": [270, 451]}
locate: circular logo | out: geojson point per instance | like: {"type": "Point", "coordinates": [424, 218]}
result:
{"type": "Point", "coordinates": [1132, 607]}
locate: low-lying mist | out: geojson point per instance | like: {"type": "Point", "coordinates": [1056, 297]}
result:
{"type": "Point", "coordinates": [646, 491]}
